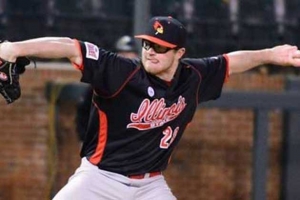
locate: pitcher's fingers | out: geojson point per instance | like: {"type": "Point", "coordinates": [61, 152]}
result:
{"type": "Point", "coordinates": [296, 62]}
{"type": "Point", "coordinates": [296, 54]}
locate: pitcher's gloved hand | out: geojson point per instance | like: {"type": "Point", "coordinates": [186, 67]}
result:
{"type": "Point", "coordinates": [9, 78]}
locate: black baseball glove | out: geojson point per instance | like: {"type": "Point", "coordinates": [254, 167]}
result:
{"type": "Point", "coordinates": [9, 78]}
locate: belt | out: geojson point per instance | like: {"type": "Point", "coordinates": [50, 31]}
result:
{"type": "Point", "coordinates": [142, 176]}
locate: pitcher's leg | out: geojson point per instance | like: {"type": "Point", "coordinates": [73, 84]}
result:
{"type": "Point", "coordinates": [89, 184]}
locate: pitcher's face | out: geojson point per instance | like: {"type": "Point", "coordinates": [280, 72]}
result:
{"type": "Point", "coordinates": [159, 60]}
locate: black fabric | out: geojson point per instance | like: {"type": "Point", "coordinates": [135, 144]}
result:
{"type": "Point", "coordinates": [9, 78]}
{"type": "Point", "coordinates": [83, 112]}
{"type": "Point", "coordinates": [137, 122]}
{"type": "Point", "coordinates": [167, 29]}
{"type": "Point", "coordinates": [213, 72]}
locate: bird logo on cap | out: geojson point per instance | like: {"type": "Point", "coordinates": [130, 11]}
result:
{"type": "Point", "coordinates": [158, 27]}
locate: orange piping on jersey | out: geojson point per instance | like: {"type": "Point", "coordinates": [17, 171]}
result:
{"type": "Point", "coordinates": [168, 83]}
{"type": "Point", "coordinates": [227, 68]}
{"type": "Point", "coordinates": [198, 88]}
{"type": "Point", "coordinates": [188, 124]}
{"type": "Point", "coordinates": [126, 81]}
{"type": "Point", "coordinates": [102, 138]}
{"type": "Point", "coordinates": [80, 67]}
{"type": "Point", "coordinates": [170, 158]}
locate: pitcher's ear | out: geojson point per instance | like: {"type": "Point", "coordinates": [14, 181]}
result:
{"type": "Point", "coordinates": [180, 52]}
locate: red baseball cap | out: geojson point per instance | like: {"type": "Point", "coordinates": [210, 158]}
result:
{"type": "Point", "coordinates": [165, 31]}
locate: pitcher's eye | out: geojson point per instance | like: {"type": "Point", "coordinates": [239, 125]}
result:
{"type": "Point", "coordinates": [146, 45]}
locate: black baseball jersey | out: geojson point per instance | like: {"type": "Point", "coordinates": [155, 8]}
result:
{"type": "Point", "coordinates": [137, 119]}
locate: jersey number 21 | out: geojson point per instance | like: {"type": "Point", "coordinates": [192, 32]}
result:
{"type": "Point", "coordinates": [168, 138]}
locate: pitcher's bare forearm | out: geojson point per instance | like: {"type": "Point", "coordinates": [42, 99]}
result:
{"type": "Point", "coordinates": [241, 61]}
{"type": "Point", "coordinates": [47, 47]}
{"type": "Point", "coordinates": [284, 55]}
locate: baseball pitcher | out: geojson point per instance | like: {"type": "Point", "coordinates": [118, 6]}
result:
{"type": "Point", "coordinates": [141, 107]}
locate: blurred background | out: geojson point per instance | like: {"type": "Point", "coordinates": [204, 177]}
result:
{"type": "Point", "coordinates": [221, 156]}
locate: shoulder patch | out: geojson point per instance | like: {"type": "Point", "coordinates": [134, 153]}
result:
{"type": "Point", "coordinates": [92, 51]}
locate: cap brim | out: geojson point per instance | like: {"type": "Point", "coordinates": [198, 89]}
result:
{"type": "Point", "coordinates": [156, 41]}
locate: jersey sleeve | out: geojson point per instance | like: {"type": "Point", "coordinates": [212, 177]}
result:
{"type": "Point", "coordinates": [213, 72]}
{"type": "Point", "coordinates": [104, 70]}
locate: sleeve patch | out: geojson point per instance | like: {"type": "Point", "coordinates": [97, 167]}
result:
{"type": "Point", "coordinates": [92, 51]}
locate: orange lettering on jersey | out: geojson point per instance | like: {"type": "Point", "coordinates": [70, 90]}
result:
{"type": "Point", "coordinates": [155, 114]}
